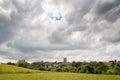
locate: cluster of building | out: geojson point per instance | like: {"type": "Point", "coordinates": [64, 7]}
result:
{"type": "Point", "coordinates": [65, 63]}
{"type": "Point", "coordinates": [57, 64]}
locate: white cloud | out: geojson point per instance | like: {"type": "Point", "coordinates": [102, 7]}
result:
{"type": "Point", "coordinates": [86, 31]}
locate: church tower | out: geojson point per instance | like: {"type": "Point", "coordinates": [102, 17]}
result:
{"type": "Point", "coordinates": [65, 60]}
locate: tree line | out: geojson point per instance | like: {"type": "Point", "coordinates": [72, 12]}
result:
{"type": "Point", "coordinates": [77, 67]}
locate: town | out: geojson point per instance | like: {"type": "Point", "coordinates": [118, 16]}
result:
{"type": "Point", "coordinates": [94, 67]}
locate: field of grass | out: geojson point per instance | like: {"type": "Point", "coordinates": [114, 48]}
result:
{"type": "Point", "coordinates": [9, 68]}
{"type": "Point", "coordinates": [56, 76]}
{"type": "Point", "coordinates": [8, 72]}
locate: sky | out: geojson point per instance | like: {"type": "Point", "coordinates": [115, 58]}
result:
{"type": "Point", "coordinates": [49, 30]}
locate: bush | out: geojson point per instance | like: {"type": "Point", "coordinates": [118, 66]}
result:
{"type": "Point", "coordinates": [58, 69]}
{"type": "Point", "coordinates": [110, 71]}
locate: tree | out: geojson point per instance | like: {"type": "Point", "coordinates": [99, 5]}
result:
{"type": "Point", "coordinates": [22, 63]}
{"type": "Point", "coordinates": [114, 69]}
{"type": "Point", "coordinates": [66, 69]}
{"type": "Point", "coordinates": [98, 67]}
{"type": "Point", "coordinates": [87, 68]}
{"type": "Point", "coordinates": [58, 69]}
{"type": "Point", "coordinates": [76, 64]}
{"type": "Point", "coordinates": [38, 65]}
{"type": "Point", "coordinates": [10, 63]}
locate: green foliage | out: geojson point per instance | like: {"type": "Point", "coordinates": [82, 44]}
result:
{"type": "Point", "coordinates": [58, 69]}
{"type": "Point", "coordinates": [76, 67]}
{"type": "Point", "coordinates": [114, 70]}
{"type": "Point", "coordinates": [38, 65]}
{"type": "Point", "coordinates": [67, 69]}
{"type": "Point", "coordinates": [110, 71]}
{"type": "Point", "coordinates": [22, 63]}
{"type": "Point", "coordinates": [76, 64]}
{"type": "Point", "coordinates": [10, 63]}
{"type": "Point", "coordinates": [89, 67]}
{"type": "Point", "coordinates": [98, 67]}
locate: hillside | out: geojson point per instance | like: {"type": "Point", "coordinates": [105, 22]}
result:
{"type": "Point", "coordinates": [11, 68]}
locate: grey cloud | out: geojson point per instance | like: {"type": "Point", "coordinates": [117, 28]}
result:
{"type": "Point", "coordinates": [74, 19]}
{"type": "Point", "coordinates": [109, 10]}
{"type": "Point", "coordinates": [63, 38]}
{"type": "Point", "coordinates": [80, 9]}
{"type": "Point", "coordinates": [10, 55]}
{"type": "Point", "coordinates": [10, 22]}
{"type": "Point", "coordinates": [7, 27]}
{"type": "Point", "coordinates": [28, 7]}
{"type": "Point", "coordinates": [5, 33]}
{"type": "Point", "coordinates": [47, 39]}
{"type": "Point", "coordinates": [113, 37]}
{"type": "Point", "coordinates": [104, 7]}
{"type": "Point", "coordinates": [28, 46]}
{"type": "Point", "coordinates": [58, 36]}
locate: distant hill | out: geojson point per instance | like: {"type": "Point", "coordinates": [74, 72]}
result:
{"type": "Point", "coordinates": [11, 68]}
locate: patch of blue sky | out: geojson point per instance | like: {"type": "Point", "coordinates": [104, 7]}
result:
{"type": "Point", "coordinates": [56, 17]}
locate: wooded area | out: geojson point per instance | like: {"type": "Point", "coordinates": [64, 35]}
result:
{"type": "Point", "coordinates": [76, 67]}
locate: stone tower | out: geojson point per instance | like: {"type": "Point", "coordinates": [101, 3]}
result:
{"type": "Point", "coordinates": [65, 60]}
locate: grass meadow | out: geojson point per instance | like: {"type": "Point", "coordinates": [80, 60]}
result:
{"type": "Point", "coordinates": [56, 76]}
{"type": "Point", "coordinates": [8, 72]}
{"type": "Point", "coordinates": [11, 69]}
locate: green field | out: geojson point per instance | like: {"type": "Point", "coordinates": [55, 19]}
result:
{"type": "Point", "coordinates": [11, 69]}
{"type": "Point", "coordinates": [56, 76]}
{"type": "Point", "coordinates": [8, 72]}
